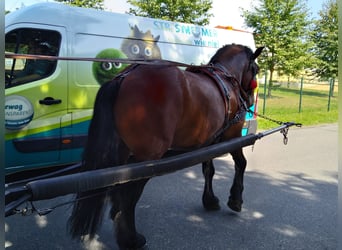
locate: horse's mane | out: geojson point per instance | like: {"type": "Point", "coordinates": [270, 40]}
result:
{"type": "Point", "coordinates": [222, 50]}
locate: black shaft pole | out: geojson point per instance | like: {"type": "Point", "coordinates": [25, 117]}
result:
{"type": "Point", "coordinates": [58, 186]}
{"type": "Point", "coordinates": [62, 185]}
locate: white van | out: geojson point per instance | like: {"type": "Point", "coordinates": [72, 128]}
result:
{"type": "Point", "coordinates": [48, 104]}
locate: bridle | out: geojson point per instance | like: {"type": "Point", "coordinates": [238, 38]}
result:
{"type": "Point", "coordinates": [243, 93]}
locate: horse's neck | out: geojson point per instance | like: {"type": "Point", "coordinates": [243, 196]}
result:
{"type": "Point", "coordinates": [236, 72]}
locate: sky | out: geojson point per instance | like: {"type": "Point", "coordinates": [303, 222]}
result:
{"type": "Point", "coordinates": [222, 15]}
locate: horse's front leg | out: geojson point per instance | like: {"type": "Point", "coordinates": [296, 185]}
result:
{"type": "Point", "coordinates": [209, 200]}
{"type": "Point", "coordinates": [235, 199]}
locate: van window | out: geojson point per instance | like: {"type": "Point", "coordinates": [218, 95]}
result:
{"type": "Point", "coordinates": [30, 41]}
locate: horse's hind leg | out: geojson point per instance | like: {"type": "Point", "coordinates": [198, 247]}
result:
{"type": "Point", "coordinates": [209, 200]}
{"type": "Point", "coordinates": [124, 198]}
{"type": "Point", "coordinates": [235, 199]}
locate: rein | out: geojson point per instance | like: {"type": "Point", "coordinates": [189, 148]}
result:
{"type": "Point", "coordinates": [109, 60]}
{"type": "Point", "coordinates": [30, 208]}
{"type": "Point", "coordinates": [284, 131]}
{"type": "Point", "coordinates": [151, 62]}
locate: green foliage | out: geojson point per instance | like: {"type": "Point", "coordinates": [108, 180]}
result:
{"type": "Point", "coordinates": [282, 27]}
{"type": "Point", "coordinates": [325, 37]}
{"type": "Point", "coordinates": [95, 4]}
{"type": "Point", "coordinates": [284, 106]}
{"type": "Point", "coordinates": [187, 11]}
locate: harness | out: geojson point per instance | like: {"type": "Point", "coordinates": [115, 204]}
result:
{"type": "Point", "coordinates": [221, 76]}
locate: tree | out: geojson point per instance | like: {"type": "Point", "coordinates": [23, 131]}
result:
{"type": "Point", "coordinates": [187, 11]}
{"type": "Point", "coordinates": [282, 27]}
{"type": "Point", "coordinates": [95, 4]}
{"type": "Point", "coordinates": [325, 37]}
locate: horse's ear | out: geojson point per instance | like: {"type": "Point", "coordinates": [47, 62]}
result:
{"type": "Point", "coordinates": [257, 52]}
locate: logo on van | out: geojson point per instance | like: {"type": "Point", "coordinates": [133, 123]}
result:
{"type": "Point", "coordinates": [106, 71]}
{"type": "Point", "coordinates": [18, 112]}
{"type": "Point", "coordinates": [141, 45]}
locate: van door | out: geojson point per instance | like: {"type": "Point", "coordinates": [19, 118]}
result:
{"type": "Point", "coordinates": [35, 97]}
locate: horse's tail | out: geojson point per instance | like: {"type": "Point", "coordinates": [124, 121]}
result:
{"type": "Point", "coordinates": [100, 151]}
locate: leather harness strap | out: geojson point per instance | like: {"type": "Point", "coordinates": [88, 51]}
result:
{"type": "Point", "coordinates": [212, 73]}
{"type": "Point", "coordinates": [220, 77]}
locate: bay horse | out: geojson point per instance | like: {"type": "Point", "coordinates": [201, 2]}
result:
{"type": "Point", "coordinates": [149, 109]}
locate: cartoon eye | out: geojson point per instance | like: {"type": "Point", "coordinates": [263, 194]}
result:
{"type": "Point", "coordinates": [117, 65]}
{"type": "Point", "coordinates": [106, 66]}
{"type": "Point", "coordinates": [135, 49]}
{"type": "Point", "coordinates": [148, 51]}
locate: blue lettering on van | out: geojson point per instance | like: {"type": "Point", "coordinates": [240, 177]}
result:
{"type": "Point", "coordinates": [206, 32]}
{"type": "Point", "coordinates": [199, 42]}
{"type": "Point", "coordinates": [209, 43]}
{"type": "Point", "coordinates": [213, 44]}
{"type": "Point", "coordinates": [187, 29]}
{"type": "Point", "coordinates": [177, 28]}
{"type": "Point", "coordinates": [161, 25]}
{"type": "Point", "coordinates": [17, 113]}
{"type": "Point", "coordinates": [16, 107]}
{"type": "Point", "coordinates": [195, 30]}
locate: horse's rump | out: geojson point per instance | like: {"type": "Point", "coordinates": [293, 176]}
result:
{"type": "Point", "coordinates": [159, 107]}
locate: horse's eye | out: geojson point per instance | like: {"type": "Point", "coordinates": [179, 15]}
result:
{"type": "Point", "coordinates": [106, 66]}
{"type": "Point", "coordinates": [135, 49]}
{"type": "Point", "coordinates": [117, 65]}
{"type": "Point", "coordinates": [148, 51]}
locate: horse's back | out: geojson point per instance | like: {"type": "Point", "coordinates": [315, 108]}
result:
{"type": "Point", "coordinates": [159, 107]}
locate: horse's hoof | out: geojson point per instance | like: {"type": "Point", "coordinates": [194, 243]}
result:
{"type": "Point", "coordinates": [212, 207]}
{"type": "Point", "coordinates": [139, 243]}
{"type": "Point", "coordinates": [235, 205]}
{"type": "Point", "coordinates": [212, 204]}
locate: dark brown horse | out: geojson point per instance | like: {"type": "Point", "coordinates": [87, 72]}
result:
{"type": "Point", "coordinates": [148, 110]}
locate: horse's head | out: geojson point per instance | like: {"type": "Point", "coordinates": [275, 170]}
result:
{"type": "Point", "coordinates": [239, 61]}
{"type": "Point", "coordinates": [248, 81]}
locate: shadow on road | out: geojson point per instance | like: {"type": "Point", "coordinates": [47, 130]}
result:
{"type": "Point", "coordinates": [289, 211]}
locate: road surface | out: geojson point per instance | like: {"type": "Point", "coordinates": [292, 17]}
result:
{"type": "Point", "coordinates": [290, 202]}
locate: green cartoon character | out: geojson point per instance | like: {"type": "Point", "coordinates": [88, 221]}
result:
{"type": "Point", "coordinates": [106, 71]}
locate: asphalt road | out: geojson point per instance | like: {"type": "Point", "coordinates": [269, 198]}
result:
{"type": "Point", "coordinates": [290, 202]}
